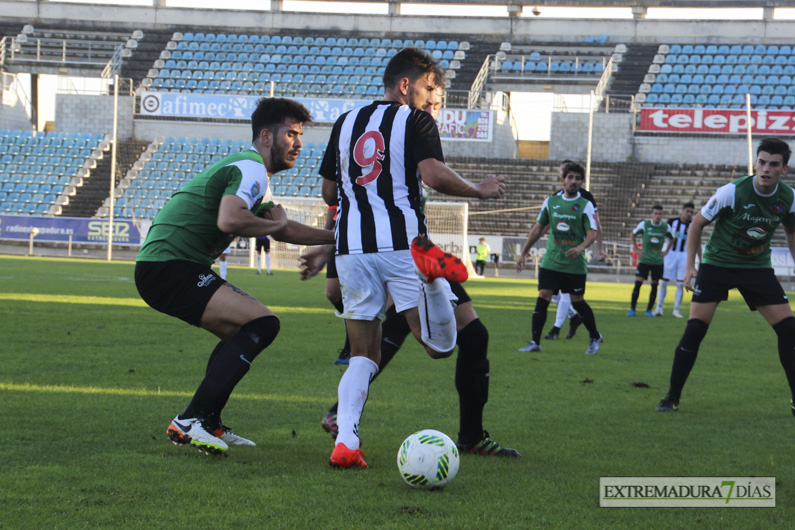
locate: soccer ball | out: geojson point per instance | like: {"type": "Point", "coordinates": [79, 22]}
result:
{"type": "Point", "coordinates": [428, 459]}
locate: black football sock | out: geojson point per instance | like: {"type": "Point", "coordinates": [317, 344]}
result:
{"type": "Point", "coordinates": [472, 380]}
{"type": "Point", "coordinates": [539, 318]}
{"type": "Point", "coordinates": [341, 309]}
{"type": "Point", "coordinates": [232, 362]}
{"type": "Point", "coordinates": [213, 355]}
{"type": "Point", "coordinates": [635, 295]}
{"type": "Point", "coordinates": [588, 319]}
{"type": "Point", "coordinates": [786, 349]}
{"type": "Point", "coordinates": [652, 297]}
{"type": "Point", "coordinates": [685, 356]}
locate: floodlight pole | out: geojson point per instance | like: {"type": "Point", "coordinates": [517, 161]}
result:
{"type": "Point", "coordinates": [749, 135]}
{"type": "Point", "coordinates": [590, 142]}
{"type": "Point", "coordinates": [113, 163]}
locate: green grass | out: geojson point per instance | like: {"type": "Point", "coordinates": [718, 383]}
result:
{"type": "Point", "coordinates": [90, 378]}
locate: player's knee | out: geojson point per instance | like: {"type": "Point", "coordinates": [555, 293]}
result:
{"type": "Point", "coordinates": [695, 331]}
{"type": "Point", "coordinates": [256, 335]}
{"type": "Point", "coordinates": [395, 328]}
{"type": "Point", "coordinates": [435, 354]}
{"type": "Point", "coordinates": [333, 293]}
{"type": "Point", "coordinates": [785, 328]}
{"type": "Point", "coordinates": [473, 340]}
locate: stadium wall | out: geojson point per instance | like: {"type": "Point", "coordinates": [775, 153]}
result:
{"type": "Point", "coordinates": [614, 141]}
{"type": "Point", "coordinates": [507, 28]}
{"type": "Point", "coordinates": [93, 114]}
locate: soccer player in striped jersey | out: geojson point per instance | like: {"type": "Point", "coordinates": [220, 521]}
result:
{"type": "Point", "coordinates": [676, 259]}
{"type": "Point", "coordinates": [471, 369]}
{"type": "Point", "coordinates": [173, 273]}
{"type": "Point", "coordinates": [372, 170]}
{"type": "Point", "coordinates": [746, 213]}
{"type": "Point", "coordinates": [653, 233]}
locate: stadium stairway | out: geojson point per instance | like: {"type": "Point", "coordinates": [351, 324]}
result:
{"type": "Point", "coordinates": [95, 189]}
{"type": "Point", "coordinates": [144, 56]}
{"type": "Point", "coordinates": [634, 66]}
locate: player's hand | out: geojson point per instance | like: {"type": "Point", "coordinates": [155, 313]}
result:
{"type": "Point", "coordinates": [573, 252]}
{"type": "Point", "coordinates": [491, 188]}
{"type": "Point", "coordinates": [690, 275]}
{"type": "Point", "coordinates": [520, 263]}
{"type": "Point", "coordinates": [601, 255]}
{"type": "Point", "coordinates": [313, 261]}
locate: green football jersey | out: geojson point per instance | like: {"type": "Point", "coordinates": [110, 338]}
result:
{"type": "Point", "coordinates": [186, 228]}
{"type": "Point", "coordinates": [569, 221]}
{"type": "Point", "coordinates": [653, 239]}
{"type": "Point", "coordinates": [745, 222]}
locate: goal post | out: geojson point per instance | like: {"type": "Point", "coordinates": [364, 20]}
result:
{"type": "Point", "coordinates": [447, 226]}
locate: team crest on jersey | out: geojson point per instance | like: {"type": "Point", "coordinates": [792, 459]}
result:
{"type": "Point", "coordinates": [756, 232]}
{"type": "Point", "coordinates": [575, 207]}
{"type": "Point", "coordinates": [778, 207]}
{"type": "Point", "coordinates": [712, 204]}
{"type": "Point", "coordinates": [562, 227]}
{"type": "Point", "coordinates": [255, 189]}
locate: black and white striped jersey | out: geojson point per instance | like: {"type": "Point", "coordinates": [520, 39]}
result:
{"type": "Point", "coordinates": [679, 230]}
{"type": "Point", "coordinates": [373, 155]}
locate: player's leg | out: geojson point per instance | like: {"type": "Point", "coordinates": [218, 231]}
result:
{"type": "Point", "coordinates": [576, 284]}
{"type": "Point", "coordinates": [658, 312]}
{"type": "Point", "coordinates": [564, 305]}
{"type": "Point", "coordinates": [680, 284]}
{"type": "Point", "coordinates": [547, 284]}
{"type": "Point", "coordinates": [334, 295]}
{"type": "Point", "coordinates": [635, 291]}
{"type": "Point", "coordinates": [222, 266]}
{"type": "Point", "coordinates": [656, 274]}
{"type": "Point", "coordinates": [713, 285]}
{"type": "Point", "coordinates": [268, 263]}
{"type": "Point", "coordinates": [258, 258]}
{"type": "Point", "coordinates": [472, 381]}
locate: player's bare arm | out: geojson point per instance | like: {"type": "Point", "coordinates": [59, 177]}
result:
{"type": "Point", "coordinates": [234, 217]}
{"type": "Point", "coordinates": [579, 249]}
{"type": "Point", "coordinates": [601, 255]}
{"type": "Point", "coordinates": [693, 247]}
{"type": "Point", "coordinates": [634, 243]}
{"type": "Point", "coordinates": [443, 179]}
{"type": "Point", "coordinates": [789, 232]}
{"type": "Point", "coordinates": [300, 234]}
{"type": "Point", "coordinates": [533, 236]}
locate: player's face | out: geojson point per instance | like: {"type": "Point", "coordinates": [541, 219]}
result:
{"type": "Point", "coordinates": [769, 169]}
{"type": "Point", "coordinates": [434, 108]}
{"type": "Point", "coordinates": [286, 145]}
{"type": "Point", "coordinates": [421, 92]}
{"type": "Point", "coordinates": [687, 215]}
{"type": "Point", "coordinates": [572, 183]}
{"type": "Point", "coordinates": [656, 216]}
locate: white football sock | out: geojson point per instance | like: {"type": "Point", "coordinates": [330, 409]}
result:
{"type": "Point", "coordinates": [268, 262]}
{"type": "Point", "coordinates": [352, 395]}
{"type": "Point", "coordinates": [437, 316]}
{"type": "Point", "coordinates": [680, 288]}
{"type": "Point", "coordinates": [661, 293]}
{"type": "Point", "coordinates": [259, 263]}
{"type": "Point", "coordinates": [564, 304]}
{"type": "Point", "coordinates": [222, 270]}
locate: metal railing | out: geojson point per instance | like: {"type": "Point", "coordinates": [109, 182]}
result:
{"type": "Point", "coordinates": [478, 83]}
{"type": "Point", "coordinates": [61, 51]}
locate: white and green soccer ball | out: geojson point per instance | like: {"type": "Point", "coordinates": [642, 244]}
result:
{"type": "Point", "coordinates": [428, 459]}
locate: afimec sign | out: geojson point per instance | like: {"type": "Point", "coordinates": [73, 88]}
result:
{"type": "Point", "coordinates": [717, 121]}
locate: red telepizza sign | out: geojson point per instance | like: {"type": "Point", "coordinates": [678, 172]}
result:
{"type": "Point", "coordinates": [717, 121]}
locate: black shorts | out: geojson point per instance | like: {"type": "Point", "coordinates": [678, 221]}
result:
{"type": "Point", "coordinates": [643, 271]}
{"type": "Point", "coordinates": [561, 281]}
{"type": "Point", "coordinates": [263, 244]}
{"type": "Point", "coordinates": [758, 286]}
{"type": "Point", "coordinates": [459, 291]}
{"type": "Point", "coordinates": [331, 268]}
{"type": "Point", "coordinates": [178, 288]}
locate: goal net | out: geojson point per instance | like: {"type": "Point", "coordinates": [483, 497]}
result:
{"type": "Point", "coordinates": [447, 225]}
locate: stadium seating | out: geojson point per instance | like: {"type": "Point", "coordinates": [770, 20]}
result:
{"type": "Point", "coordinates": [726, 71]}
{"type": "Point", "coordinates": [238, 62]}
{"type": "Point", "coordinates": [38, 172]}
{"type": "Point", "coordinates": [170, 162]}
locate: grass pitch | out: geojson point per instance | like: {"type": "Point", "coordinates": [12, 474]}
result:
{"type": "Point", "coordinates": [90, 378]}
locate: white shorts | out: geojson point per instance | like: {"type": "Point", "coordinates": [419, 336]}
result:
{"type": "Point", "coordinates": [366, 279]}
{"type": "Point", "coordinates": [675, 265]}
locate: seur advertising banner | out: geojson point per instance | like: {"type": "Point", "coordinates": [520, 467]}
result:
{"type": "Point", "coordinates": [717, 121]}
{"type": "Point", "coordinates": [62, 228]}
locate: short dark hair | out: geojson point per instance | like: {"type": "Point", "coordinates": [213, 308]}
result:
{"type": "Point", "coordinates": [775, 146]}
{"type": "Point", "coordinates": [689, 205]}
{"type": "Point", "coordinates": [272, 112]}
{"type": "Point", "coordinates": [567, 162]}
{"type": "Point", "coordinates": [657, 207]}
{"type": "Point", "coordinates": [412, 63]}
{"type": "Point", "coordinates": [577, 168]}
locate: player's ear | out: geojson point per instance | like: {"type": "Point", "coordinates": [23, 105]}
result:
{"type": "Point", "coordinates": [403, 85]}
{"type": "Point", "coordinates": [266, 137]}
